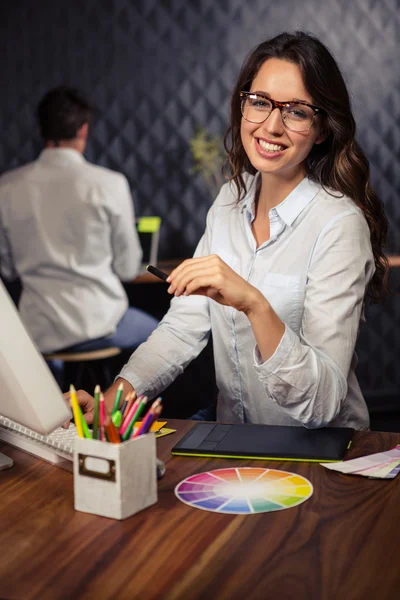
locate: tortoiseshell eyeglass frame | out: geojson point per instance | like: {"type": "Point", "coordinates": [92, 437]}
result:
{"type": "Point", "coordinates": [280, 105]}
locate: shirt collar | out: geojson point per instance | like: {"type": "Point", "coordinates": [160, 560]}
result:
{"type": "Point", "coordinates": [52, 156]}
{"type": "Point", "coordinates": [291, 207]}
{"type": "Point", "coordinates": [248, 200]}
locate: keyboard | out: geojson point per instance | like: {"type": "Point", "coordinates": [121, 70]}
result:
{"type": "Point", "coordinates": [57, 447]}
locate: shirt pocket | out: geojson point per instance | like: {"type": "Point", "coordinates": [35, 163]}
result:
{"type": "Point", "coordinates": [283, 292]}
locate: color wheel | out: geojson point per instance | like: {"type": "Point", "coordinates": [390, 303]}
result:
{"type": "Point", "coordinates": [244, 490]}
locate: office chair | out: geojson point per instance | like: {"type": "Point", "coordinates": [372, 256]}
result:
{"type": "Point", "coordinates": [87, 369]}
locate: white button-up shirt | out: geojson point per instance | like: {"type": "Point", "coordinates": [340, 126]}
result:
{"type": "Point", "coordinates": [313, 270]}
{"type": "Point", "coordinates": [67, 229]}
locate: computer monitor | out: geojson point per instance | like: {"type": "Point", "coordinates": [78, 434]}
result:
{"type": "Point", "coordinates": [28, 392]}
{"type": "Point", "coordinates": [148, 229]}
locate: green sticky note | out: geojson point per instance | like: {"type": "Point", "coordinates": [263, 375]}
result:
{"type": "Point", "coordinates": [148, 224]}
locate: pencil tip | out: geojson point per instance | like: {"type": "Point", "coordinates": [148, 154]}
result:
{"type": "Point", "coordinates": [97, 389]}
{"type": "Point", "coordinates": [72, 388]}
{"type": "Point", "coordinates": [121, 386]}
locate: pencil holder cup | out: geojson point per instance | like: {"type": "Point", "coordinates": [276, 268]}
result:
{"type": "Point", "coordinates": [115, 480]}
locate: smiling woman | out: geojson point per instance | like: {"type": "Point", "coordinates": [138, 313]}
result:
{"type": "Point", "coordinates": [297, 65]}
{"type": "Point", "coordinates": [292, 245]}
{"type": "Point", "coordinates": [277, 136]}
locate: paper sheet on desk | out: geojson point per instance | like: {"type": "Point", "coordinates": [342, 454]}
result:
{"type": "Point", "coordinates": [382, 465]}
{"type": "Point", "coordinates": [158, 428]}
{"type": "Point", "coordinates": [164, 431]}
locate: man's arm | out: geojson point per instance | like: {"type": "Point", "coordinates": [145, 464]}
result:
{"type": "Point", "coordinates": [7, 266]}
{"type": "Point", "coordinates": [127, 251]}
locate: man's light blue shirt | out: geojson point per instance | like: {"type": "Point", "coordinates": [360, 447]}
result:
{"type": "Point", "coordinates": [67, 229]}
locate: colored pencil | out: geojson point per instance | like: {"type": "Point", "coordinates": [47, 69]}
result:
{"type": "Point", "coordinates": [136, 416]}
{"type": "Point", "coordinates": [117, 398]}
{"type": "Point", "coordinates": [129, 414]}
{"type": "Point", "coordinates": [86, 431]}
{"type": "Point", "coordinates": [129, 400]}
{"type": "Point", "coordinates": [123, 407]}
{"type": "Point", "coordinates": [96, 412]}
{"type": "Point", "coordinates": [151, 418]}
{"type": "Point", "coordinates": [152, 414]}
{"type": "Point", "coordinates": [76, 409]}
{"type": "Point", "coordinates": [112, 434]}
{"type": "Point", "coordinates": [102, 417]}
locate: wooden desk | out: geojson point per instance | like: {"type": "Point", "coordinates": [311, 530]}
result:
{"type": "Point", "coordinates": [164, 265]}
{"type": "Point", "coordinates": [342, 543]}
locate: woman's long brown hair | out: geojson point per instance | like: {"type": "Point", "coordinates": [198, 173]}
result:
{"type": "Point", "coordinates": [338, 163]}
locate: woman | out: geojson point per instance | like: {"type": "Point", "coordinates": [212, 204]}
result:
{"type": "Point", "coordinates": [292, 246]}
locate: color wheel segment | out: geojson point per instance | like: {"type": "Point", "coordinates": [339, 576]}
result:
{"type": "Point", "coordinates": [244, 490]}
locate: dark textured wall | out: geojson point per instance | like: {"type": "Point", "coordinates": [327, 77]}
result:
{"type": "Point", "coordinates": [156, 69]}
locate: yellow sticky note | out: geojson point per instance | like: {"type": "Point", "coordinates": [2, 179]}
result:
{"type": "Point", "coordinates": [156, 426]}
{"type": "Point", "coordinates": [164, 431]}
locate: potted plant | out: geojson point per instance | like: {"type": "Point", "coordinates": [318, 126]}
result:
{"type": "Point", "coordinates": [208, 157]}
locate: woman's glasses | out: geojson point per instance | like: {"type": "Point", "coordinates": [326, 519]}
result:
{"type": "Point", "coordinates": [296, 116]}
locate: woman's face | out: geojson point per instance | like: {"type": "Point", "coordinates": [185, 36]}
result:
{"type": "Point", "coordinates": [270, 146]}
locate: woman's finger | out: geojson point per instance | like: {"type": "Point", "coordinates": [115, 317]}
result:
{"type": "Point", "coordinates": [179, 285]}
{"type": "Point", "coordinates": [202, 286]}
{"type": "Point", "coordinates": [189, 262]}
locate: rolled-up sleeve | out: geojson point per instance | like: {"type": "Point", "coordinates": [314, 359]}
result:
{"type": "Point", "coordinates": [307, 375]}
{"type": "Point", "coordinates": [178, 339]}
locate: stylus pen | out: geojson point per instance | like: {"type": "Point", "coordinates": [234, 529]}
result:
{"type": "Point", "coordinates": [157, 272]}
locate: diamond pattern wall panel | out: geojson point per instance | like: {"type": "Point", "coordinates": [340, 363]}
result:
{"type": "Point", "coordinates": [156, 69]}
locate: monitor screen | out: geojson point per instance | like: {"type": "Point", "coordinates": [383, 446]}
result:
{"type": "Point", "coordinates": [28, 392]}
{"type": "Point", "coordinates": [148, 229]}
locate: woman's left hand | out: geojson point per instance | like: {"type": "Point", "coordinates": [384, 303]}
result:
{"type": "Point", "coordinates": [210, 276]}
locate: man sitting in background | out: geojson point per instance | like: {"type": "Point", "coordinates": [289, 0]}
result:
{"type": "Point", "coordinates": [67, 230]}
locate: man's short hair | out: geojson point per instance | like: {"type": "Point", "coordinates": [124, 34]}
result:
{"type": "Point", "coordinates": [62, 112]}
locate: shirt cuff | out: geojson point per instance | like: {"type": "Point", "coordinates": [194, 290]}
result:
{"type": "Point", "coordinates": [131, 378]}
{"type": "Point", "coordinates": [274, 362]}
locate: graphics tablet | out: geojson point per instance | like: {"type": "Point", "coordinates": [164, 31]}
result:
{"type": "Point", "coordinates": [266, 442]}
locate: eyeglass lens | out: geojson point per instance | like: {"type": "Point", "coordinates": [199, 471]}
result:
{"type": "Point", "coordinates": [296, 117]}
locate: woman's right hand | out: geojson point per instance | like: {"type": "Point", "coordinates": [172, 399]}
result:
{"type": "Point", "coordinates": [86, 402]}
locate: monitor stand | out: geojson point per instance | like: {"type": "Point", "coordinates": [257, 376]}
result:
{"type": "Point", "coordinates": [5, 462]}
